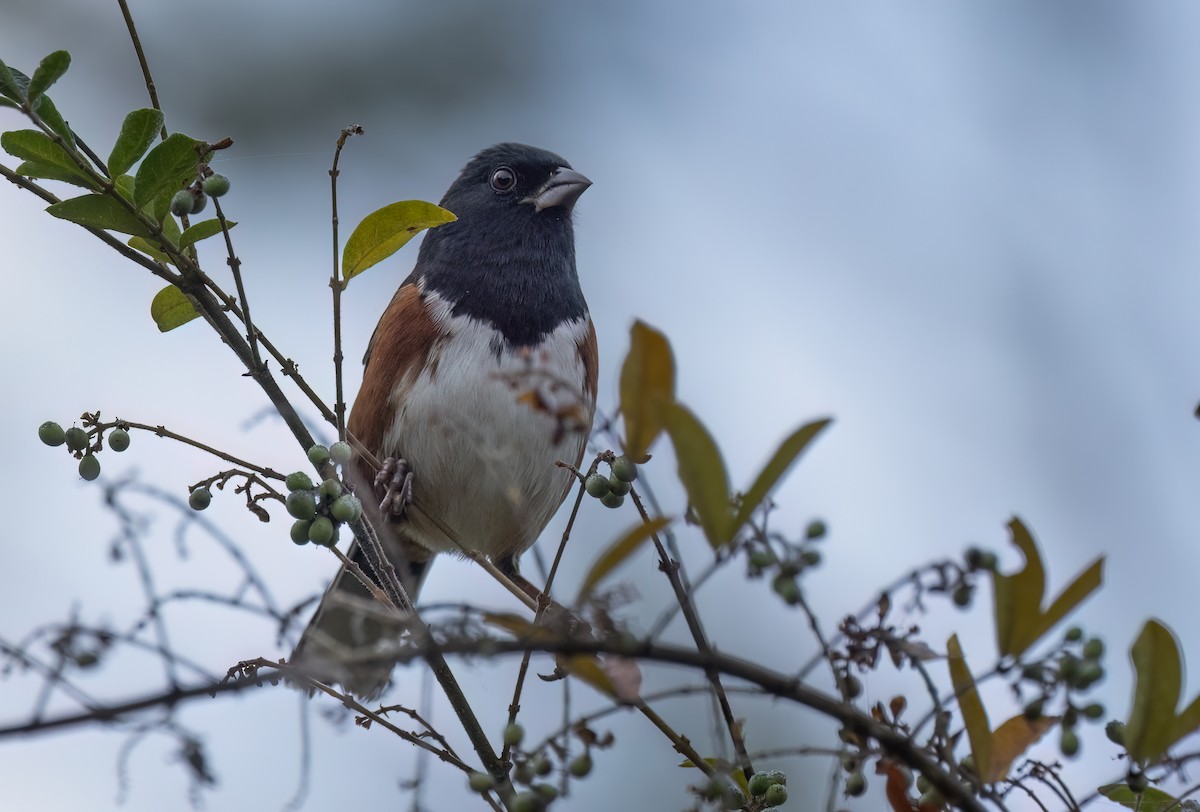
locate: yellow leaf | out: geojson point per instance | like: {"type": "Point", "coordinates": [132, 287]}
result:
{"type": "Point", "coordinates": [973, 713]}
{"type": "Point", "coordinates": [618, 551]}
{"type": "Point", "coordinates": [702, 472]}
{"type": "Point", "coordinates": [647, 382]}
{"type": "Point", "coordinates": [1012, 739]}
{"type": "Point", "coordinates": [1153, 725]}
{"type": "Point", "coordinates": [171, 309]}
{"type": "Point", "coordinates": [385, 231]}
{"type": "Point", "coordinates": [778, 465]}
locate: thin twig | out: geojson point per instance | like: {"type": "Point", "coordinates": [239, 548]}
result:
{"type": "Point", "coordinates": [235, 267]}
{"type": "Point", "coordinates": [336, 283]}
{"type": "Point", "coordinates": [141, 56]}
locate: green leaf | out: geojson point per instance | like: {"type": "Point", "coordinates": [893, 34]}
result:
{"type": "Point", "coordinates": [48, 72]}
{"type": "Point", "coordinates": [702, 472]}
{"type": "Point", "coordinates": [1020, 621]}
{"type": "Point", "coordinates": [1153, 725]}
{"type": "Point", "coordinates": [647, 382]}
{"type": "Point", "coordinates": [618, 551]}
{"type": "Point", "coordinates": [165, 169]}
{"type": "Point", "coordinates": [1150, 799]}
{"type": "Point", "coordinates": [785, 456]}
{"type": "Point", "coordinates": [54, 120]}
{"type": "Point", "coordinates": [202, 231]}
{"type": "Point", "coordinates": [147, 247]}
{"type": "Point", "coordinates": [170, 309]}
{"type": "Point", "coordinates": [8, 85]}
{"type": "Point", "coordinates": [99, 211]}
{"type": "Point", "coordinates": [138, 132]}
{"type": "Point", "coordinates": [7, 102]}
{"type": "Point", "coordinates": [37, 147]}
{"type": "Point", "coordinates": [974, 715]}
{"type": "Point", "coordinates": [37, 169]}
{"type": "Point", "coordinates": [384, 232]}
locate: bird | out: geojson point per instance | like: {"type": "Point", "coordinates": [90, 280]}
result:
{"type": "Point", "coordinates": [480, 376]}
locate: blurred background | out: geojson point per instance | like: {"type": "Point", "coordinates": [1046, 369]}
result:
{"type": "Point", "coordinates": [964, 230]}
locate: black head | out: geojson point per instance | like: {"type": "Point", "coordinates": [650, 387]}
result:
{"type": "Point", "coordinates": [510, 257]}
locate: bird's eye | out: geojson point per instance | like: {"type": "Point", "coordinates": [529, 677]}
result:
{"type": "Point", "coordinates": [504, 179]}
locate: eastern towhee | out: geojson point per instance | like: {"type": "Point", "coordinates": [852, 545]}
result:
{"type": "Point", "coordinates": [480, 375]}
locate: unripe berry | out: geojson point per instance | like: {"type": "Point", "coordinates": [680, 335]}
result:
{"type": "Point", "coordinates": [341, 452]}
{"type": "Point", "coordinates": [786, 587]}
{"type": "Point", "coordinates": [513, 734]}
{"type": "Point", "coordinates": [1136, 781]}
{"type": "Point", "coordinates": [318, 455]}
{"type": "Point", "coordinates": [216, 185]}
{"type": "Point", "coordinates": [612, 500]}
{"type": "Point", "coordinates": [1094, 711]}
{"type": "Point", "coordinates": [51, 433]}
{"type": "Point", "coordinates": [596, 485]}
{"type": "Point", "coordinates": [199, 201]}
{"type": "Point", "coordinates": [522, 773]}
{"type": "Point", "coordinates": [962, 596]}
{"type": "Point", "coordinates": [760, 782]}
{"type": "Point", "coordinates": [118, 439]}
{"type": "Point", "coordinates": [300, 531]}
{"type": "Point", "coordinates": [777, 795]}
{"type": "Point", "coordinates": [624, 469]}
{"type": "Point", "coordinates": [76, 438]}
{"type": "Point", "coordinates": [1116, 732]}
{"type": "Point", "coordinates": [1093, 649]}
{"type": "Point", "coordinates": [618, 486]}
{"type": "Point", "coordinates": [816, 529]}
{"type": "Point", "coordinates": [1073, 634]}
{"type": "Point", "coordinates": [528, 802]}
{"type": "Point", "coordinates": [549, 792]}
{"type": "Point", "coordinates": [331, 489]}
{"type": "Point", "coordinates": [301, 505]}
{"type": "Point", "coordinates": [321, 531]}
{"type": "Point", "coordinates": [480, 782]}
{"type": "Point", "coordinates": [856, 784]}
{"type": "Point", "coordinates": [347, 508]}
{"type": "Point", "coordinates": [181, 203]}
{"type": "Point", "coordinates": [542, 766]}
{"type": "Point", "coordinates": [200, 498]}
{"type": "Point", "coordinates": [1069, 742]}
{"type": "Point", "coordinates": [298, 481]}
{"type": "Point", "coordinates": [761, 559]}
{"type": "Point", "coordinates": [580, 766]}
{"type": "Point", "coordinates": [89, 467]}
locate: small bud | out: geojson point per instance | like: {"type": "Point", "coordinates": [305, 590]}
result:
{"type": "Point", "coordinates": [200, 498]}
{"type": "Point", "coordinates": [52, 434]}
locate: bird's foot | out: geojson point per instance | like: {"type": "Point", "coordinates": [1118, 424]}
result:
{"type": "Point", "coordinates": [395, 482]}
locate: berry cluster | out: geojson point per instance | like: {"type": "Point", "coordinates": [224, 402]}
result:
{"type": "Point", "coordinates": [1073, 667]}
{"type": "Point", "coordinates": [79, 443]}
{"type": "Point", "coordinates": [527, 769]}
{"type": "Point", "coordinates": [194, 198]}
{"type": "Point", "coordinates": [320, 509]}
{"type": "Point", "coordinates": [786, 559]}
{"type": "Point", "coordinates": [611, 489]}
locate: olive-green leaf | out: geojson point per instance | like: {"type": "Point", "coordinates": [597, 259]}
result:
{"type": "Point", "coordinates": [619, 551]}
{"type": "Point", "coordinates": [48, 72]}
{"type": "Point", "coordinates": [702, 472]}
{"type": "Point", "coordinates": [47, 171]}
{"type": "Point", "coordinates": [385, 231]}
{"type": "Point", "coordinates": [788, 451]}
{"type": "Point", "coordinates": [202, 231]}
{"type": "Point", "coordinates": [170, 309]}
{"type": "Point", "coordinates": [1153, 724]}
{"type": "Point", "coordinates": [1020, 621]}
{"type": "Point", "coordinates": [1151, 799]}
{"type": "Point", "coordinates": [54, 120]}
{"type": "Point", "coordinates": [7, 102]}
{"type": "Point", "coordinates": [37, 147]}
{"type": "Point", "coordinates": [152, 249]}
{"type": "Point", "coordinates": [165, 169]}
{"type": "Point", "coordinates": [138, 132]}
{"type": "Point", "coordinates": [974, 715]}
{"type": "Point", "coordinates": [99, 211]}
{"type": "Point", "coordinates": [647, 382]}
{"type": "Point", "coordinates": [8, 84]}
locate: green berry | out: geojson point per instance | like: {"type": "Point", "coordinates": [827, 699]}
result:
{"type": "Point", "coordinates": [1033, 710]}
{"type": "Point", "coordinates": [1116, 732]}
{"type": "Point", "coordinates": [761, 559]}
{"type": "Point", "coordinates": [200, 498]}
{"type": "Point", "coordinates": [1136, 781]}
{"type": "Point", "coordinates": [199, 201]}
{"type": "Point", "coordinates": [618, 486]}
{"type": "Point", "coordinates": [301, 505]}
{"type": "Point", "coordinates": [347, 508]}
{"type": "Point", "coordinates": [215, 185]}
{"type": "Point", "coordinates": [318, 455]}
{"type": "Point", "coordinates": [1069, 742]}
{"type": "Point", "coordinates": [856, 784]}
{"type": "Point", "coordinates": [624, 469]}
{"type": "Point", "coordinates": [596, 485]}
{"type": "Point", "coordinates": [522, 773]}
{"type": "Point", "coordinates": [816, 529]}
{"type": "Point", "coordinates": [51, 433]}
{"type": "Point", "coordinates": [549, 792]}
{"type": "Point", "coordinates": [300, 531]}
{"type": "Point", "coordinates": [321, 531]}
{"type": "Point", "coordinates": [542, 766]}
{"type": "Point", "coordinates": [513, 734]}
{"type": "Point", "coordinates": [760, 782]}
{"type": "Point", "coordinates": [182, 202]}
{"type": "Point", "coordinates": [974, 558]}
{"type": "Point", "coordinates": [480, 782]}
{"type": "Point", "coordinates": [89, 467]}
{"type": "Point", "coordinates": [118, 439]}
{"type": "Point", "coordinates": [1094, 711]}
{"type": "Point", "coordinates": [923, 784]}
{"type": "Point", "coordinates": [1093, 649]}
{"type": "Point", "coordinates": [331, 489]}
{"type": "Point", "coordinates": [580, 766]}
{"type": "Point", "coordinates": [852, 685]}
{"type": "Point", "coordinates": [810, 558]}
{"type": "Point", "coordinates": [612, 500]}
{"type": "Point", "coordinates": [989, 562]}
{"type": "Point", "coordinates": [733, 798]}
{"type": "Point", "coordinates": [298, 481]}
{"type": "Point", "coordinates": [962, 596]}
{"type": "Point", "coordinates": [933, 799]}
{"type": "Point", "coordinates": [785, 586]}
{"type": "Point", "coordinates": [777, 795]}
{"type": "Point", "coordinates": [528, 802]}
{"type": "Point", "coordinates": [341, 452]}
{"type": "Point", "coordinates": [1073, 634]}
{"type": "Point", "coordinates": [1033, 672]}
{"type": "Point", "coordinates": [968, 764]}
{"type": "Point", "coordinates": [1089, 674]}
{"type": "Point", "coordinates": [76, 438]}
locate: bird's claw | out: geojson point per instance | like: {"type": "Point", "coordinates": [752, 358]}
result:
{"type": "Point", "coordinates": [395, 480]}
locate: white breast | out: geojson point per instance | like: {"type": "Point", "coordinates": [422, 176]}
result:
{"type": "Point", "coordinates": [482, 427]}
